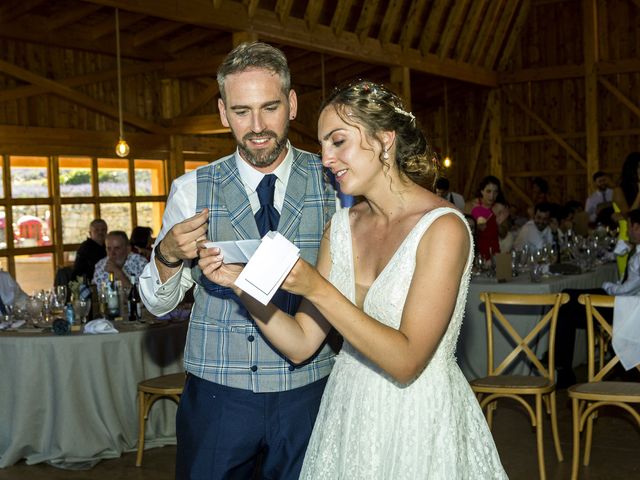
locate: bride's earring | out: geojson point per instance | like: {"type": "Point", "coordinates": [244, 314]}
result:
{"type": "Point", "coordinates": [385, 154]}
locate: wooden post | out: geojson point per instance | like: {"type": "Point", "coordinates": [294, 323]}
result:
{"type": "Point", "coordinates": [591, 87]}
{"type": "Point", "coordinates": [495, 135]}
{"type": "Point", "coordinates": [401, 84]}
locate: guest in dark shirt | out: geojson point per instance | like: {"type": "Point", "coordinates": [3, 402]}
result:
{"type": "Point", "coordinates": [91, 250]}
{"type": "Point", "coordinates": [142, 241]}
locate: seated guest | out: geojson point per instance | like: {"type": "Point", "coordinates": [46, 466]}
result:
{"type": "Point", "coordinates": [142, 241]}
{"type": "Point", "coordinates": [601, 198]}
{"type": "Point", "coordinates": [572, 314]}
{"type": "Point", "coordinates": [491, 214]}
{"type": "Point", "coordinates": [91, 250]}
{"type": "Point", "coordinates": [536, 232]}
{"type": "Point", "coordinates": [560, 223]}
{"type": "Point", "coordinates": [10, 292]}
{"type": "Point", "coordinates": [442, 190]}
{"type": "Point", "coordinates": [120, 260]}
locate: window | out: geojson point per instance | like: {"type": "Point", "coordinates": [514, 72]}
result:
{"type": "Point", "coordinates": [47, 203]}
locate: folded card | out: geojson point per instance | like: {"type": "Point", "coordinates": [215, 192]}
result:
{"type": "Point", "coordinates": [268, 267]}
{"type": "Point", "coordinates": [239, 251]}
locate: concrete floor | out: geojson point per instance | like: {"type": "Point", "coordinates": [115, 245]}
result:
{"type": "Point", "coordinates": [615, 454]}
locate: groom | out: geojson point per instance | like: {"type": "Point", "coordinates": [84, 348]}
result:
{"type": "Point", "coordinates": [242, 399]}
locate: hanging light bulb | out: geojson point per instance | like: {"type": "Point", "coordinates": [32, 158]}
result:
{"type": "Point", "coordinates": [122, 148]}
{"type": "Point", "coordinates": [447, 159]}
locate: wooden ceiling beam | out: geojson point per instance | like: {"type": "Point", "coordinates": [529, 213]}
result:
{"type": "Point", "coordinates": [486, 32]}
{"type": "Point", "coordinates": [416, 11]}
{"type": "Point", "coordinates": [501, 33]}
{"type": "Point", "coordinates": [108, 26]}
{"type": "Point", "coordinates": [154, 32]}
{"type": "Point", "coordinates": [252, 6]}
{"type": "Point", "coordinates": [102, 76]}
{"type": "Point", "coordinates": [232, 16]}
{"type": "Point", "coordinates": [514, 36]}
{"type": "Point", "coordinates": [470, 31]}
{"type": "Point", "coordinates": [283, 9]}
{"type": "Point", "coordinates": [12, 9]}
{"type": "Point", "coordinates": [367, 14]}
{"type": "Point", "coordinates": [71, 16]}
{"type": "Point", "coordinates": [431, 30]}
{"type": "Point", "coordinates": [312, 14]}
{"type": "Point", "coordinates": [340, 16]}
{"type": "Point", "coordinates": [192, 37]}
{"type": "Point", "coordinates": [389, 21]}
{"type": "Point", "coordinates": [61, 90]}
{"type": "Point", "coordinates": [452, 28]}
{"type": "Point", "coordinates": [200, 100]}
{"type": "Point", "coordinates": [626, 101]}
{"type": "Point", "coordinates": [197, 125]}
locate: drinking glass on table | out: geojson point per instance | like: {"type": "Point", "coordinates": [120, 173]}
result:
{"type": "Point", "coordinates": [61, 295]}
{"type": "Point", "coordinates": [81, 308]}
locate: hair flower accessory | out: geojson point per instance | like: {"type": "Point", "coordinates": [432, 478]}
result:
{"type": "Point", "coordinates": [405, 113]}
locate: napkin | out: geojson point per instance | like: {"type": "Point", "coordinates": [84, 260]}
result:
{"type": "Point", "coordinates": [15, 324]}
{"type": "Point", "coordinates": [626, 330]}
{"type": "Point", "coordinates": [99, 325]}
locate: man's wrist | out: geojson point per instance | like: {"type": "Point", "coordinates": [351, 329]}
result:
{"type": "Point", "coordinates": [163, 260]}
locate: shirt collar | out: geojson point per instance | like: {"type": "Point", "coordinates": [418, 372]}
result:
{"type": "Point", "coordinates": [252, 177]}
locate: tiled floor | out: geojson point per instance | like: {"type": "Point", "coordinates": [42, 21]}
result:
{"type": "Point", "coordinates": [615, 454]}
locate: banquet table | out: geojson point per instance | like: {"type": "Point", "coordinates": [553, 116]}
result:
{"type": "Point", "coordinates": [472, 342]}
{"type": "Point", "coordinates": [70, 400]}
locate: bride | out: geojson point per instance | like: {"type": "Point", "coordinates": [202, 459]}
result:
{"type": "Point", "coordinates": [392, 279]}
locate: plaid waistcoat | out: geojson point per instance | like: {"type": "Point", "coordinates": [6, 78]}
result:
{"type": "Point", "coordinates": [223, 344]}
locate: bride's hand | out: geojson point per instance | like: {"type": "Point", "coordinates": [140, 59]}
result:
{"type": "Point", "coordinates": [302, 279]}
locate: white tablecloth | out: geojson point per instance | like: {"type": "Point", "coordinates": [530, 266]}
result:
{"type": "Point", "coordinates": [71, 400]}
{"type": "Point", "coordinates": [472, 343]}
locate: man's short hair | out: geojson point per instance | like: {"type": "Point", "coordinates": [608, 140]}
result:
{"type": "Point", "coordinates": [250, 55]}
{"type": "Point", "coordinates": [442, 184]}
{"type": "Point", "coordinates": [543, 207]}
{"type": "Point", "coordinates": [119, 234]}
{"type": "Point", "coordinates": [598, 175]}
{"type": "Point", "coordinates": [97, 221]}
{"type": "Point", "coordinates": [634, 216]}
{"type": "Point", "coordinates": [542, 184]}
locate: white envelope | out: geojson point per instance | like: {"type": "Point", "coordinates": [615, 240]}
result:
{"type": "Point", "coordinates": [268, 267]}
{"type": "Point", "coordinates": [239, 251]}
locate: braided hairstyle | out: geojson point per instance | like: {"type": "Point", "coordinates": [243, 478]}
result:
{"type": "Point", "coordinates": [376, 109]}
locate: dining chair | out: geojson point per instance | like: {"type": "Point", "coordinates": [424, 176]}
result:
{"type": "Point", "coordinates": [150, 390]}
{"type": "Point", "coordinates": [539, 386]}
{"type": "Point", "coordinates": [587, 398]}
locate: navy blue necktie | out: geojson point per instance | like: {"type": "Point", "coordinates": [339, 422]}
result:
{"type": "Point", "coordinates": [267, 217]}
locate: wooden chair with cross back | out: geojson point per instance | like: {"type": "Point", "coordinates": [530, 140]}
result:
{"type": "Point", "coordinates": [587, 398]}
{"type": "Point", "coordinates": [537, 388]}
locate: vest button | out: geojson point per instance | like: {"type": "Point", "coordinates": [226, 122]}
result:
{"type": "Point", "coordinates": [251, 338]}
{"type": "Point", "coordinates": [254, 368]}
{"type": "Point", "coordinates": [291, 368]}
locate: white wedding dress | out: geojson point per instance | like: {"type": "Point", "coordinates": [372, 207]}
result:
{"type": "Point", "coordinates": [369, 426]}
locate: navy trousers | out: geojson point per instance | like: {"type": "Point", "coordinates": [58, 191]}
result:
{"type": "Point", "coordinates": [229, 433]}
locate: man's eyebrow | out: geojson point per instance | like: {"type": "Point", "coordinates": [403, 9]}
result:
{"type": "Point", "coordinates": [264, 105]}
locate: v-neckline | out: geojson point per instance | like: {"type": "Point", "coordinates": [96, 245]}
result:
{"type": "Point", "coordinates": [384, 269]}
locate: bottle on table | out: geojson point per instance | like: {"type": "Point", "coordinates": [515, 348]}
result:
{"type": "Point", "coordinates": [113, 299]}
{"type": "Point", "coordinates": [134, 302]}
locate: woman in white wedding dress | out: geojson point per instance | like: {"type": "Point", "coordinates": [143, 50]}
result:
{"type": "Point", "coordinates": [392, 278]}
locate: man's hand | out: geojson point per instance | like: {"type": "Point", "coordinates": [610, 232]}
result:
{"type": "Point", "coordinates": [180, 243]}
{"type": "Point", "coordinates": [211, 263]}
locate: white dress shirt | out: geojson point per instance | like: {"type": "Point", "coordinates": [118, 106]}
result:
{"type": "Point", "coordinates": [181, 204]}
{"type": "Point", "coordinates": [595, 199]}
{"type": "Point", "coordinates": [530, 235]}
{"type": "Point", "coordinates": [10, 291]}
{"type": "Point", "coordinates": [631, 286]}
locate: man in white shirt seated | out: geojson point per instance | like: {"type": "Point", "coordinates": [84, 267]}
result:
{"type": "Point", "coordinates": [442, 190]}
{"type": "Point", "coordinates": [602, 197]}
{"type": "Point", "coordinates": [572, 314]}
{"type": "Point", "coordinates": [120, 260]}
{"type": "Point", "coordinates": [536, 232]}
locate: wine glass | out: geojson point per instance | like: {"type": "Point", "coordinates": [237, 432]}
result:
{"type": "Point", "coordinates": [34, 309]}
{"type": "Point", "coordinates": [61, 294]}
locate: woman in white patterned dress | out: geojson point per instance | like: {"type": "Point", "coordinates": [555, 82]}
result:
{"type": "Point", "coordinates": [392, 278]}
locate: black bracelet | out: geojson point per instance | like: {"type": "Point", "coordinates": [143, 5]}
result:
{"type": "Point", "coordinates": [162, 260]}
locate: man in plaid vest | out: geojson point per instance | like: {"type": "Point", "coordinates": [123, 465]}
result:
{"type": "Point", "coordinates": [245, 407]}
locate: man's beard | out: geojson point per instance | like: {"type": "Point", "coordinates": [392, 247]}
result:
{"type": "Point", "coordinates": [263, 157]}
